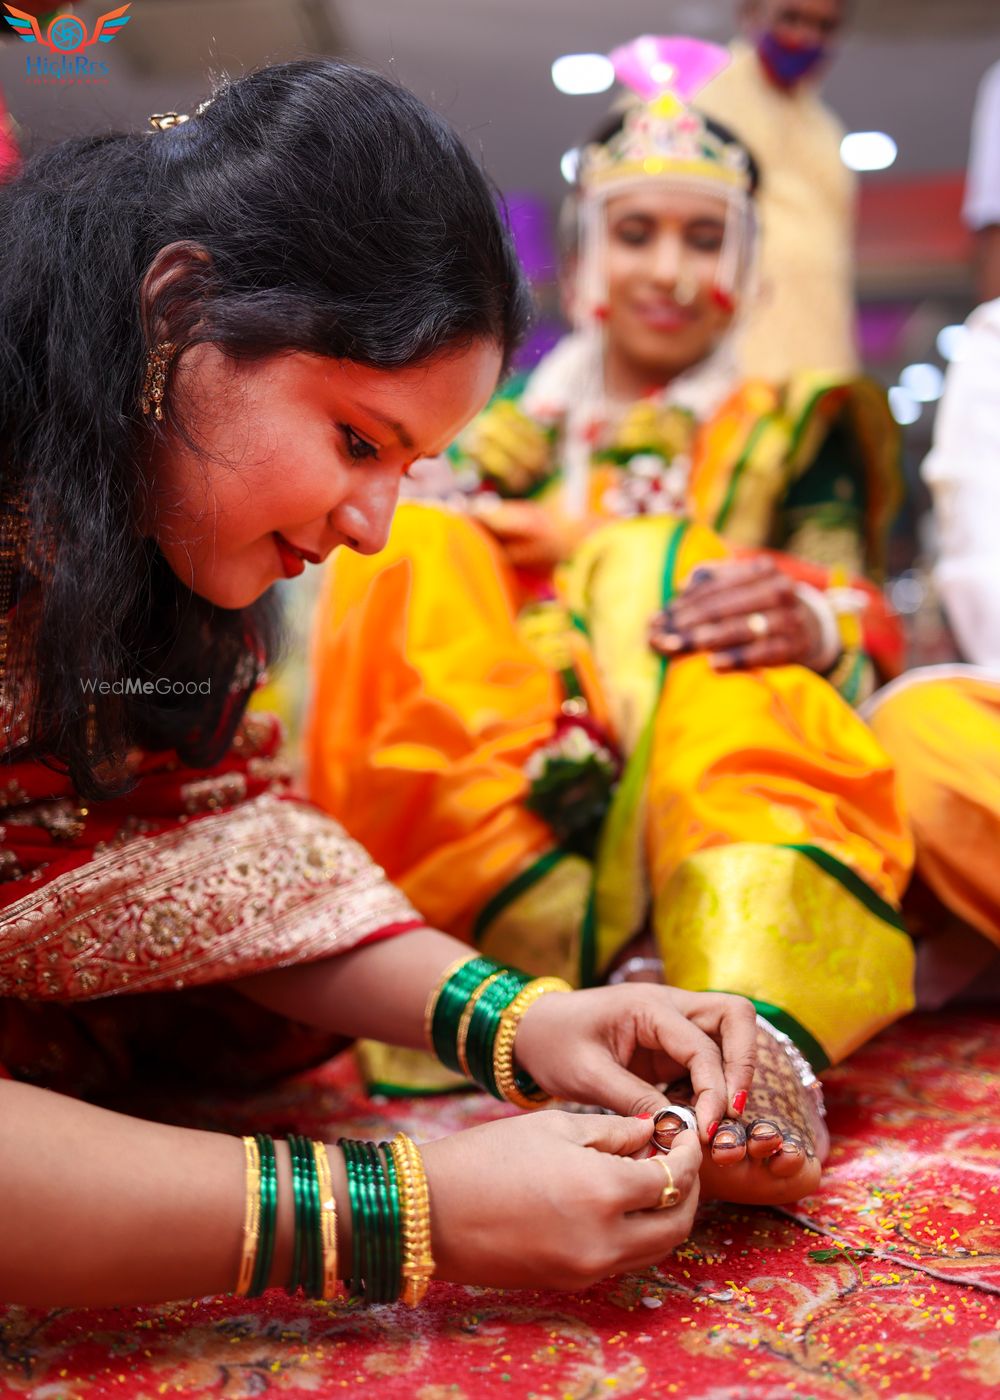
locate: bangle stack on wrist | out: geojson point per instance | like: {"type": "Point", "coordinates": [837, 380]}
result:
{"type": "Point", "coordinates": [472, 1020]}
{"type": "Point", "coordinates": [390, 1217]}
{"type": "Point", "coordinates": [314, 1258]}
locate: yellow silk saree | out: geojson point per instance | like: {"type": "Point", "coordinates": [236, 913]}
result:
{"type": "Point", "coordinates": [750, 820]}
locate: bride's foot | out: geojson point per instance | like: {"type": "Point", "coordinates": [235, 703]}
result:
{"type": "Point", "coordinates": [772, 1153]}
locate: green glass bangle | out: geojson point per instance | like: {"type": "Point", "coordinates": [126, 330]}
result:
{"type": "Point", "coordinates": [355, 1282]}
{"type": "Point", "coordinates": [307, 1250]}
{"type": "Point", "coordinates": [365, 1282]}
{"type": "Point", "coordinates": [294, 1277]}
{"type": "Point", "coordinates": [496, 1001]}
{"type": "Point", "coordinates": [378, 1202]}
{"type": "Point", "coordinates": [395, 1235]}
{"type": "Point", "coordinates": [268, 1214]}
{"type": "Point", "coordinates": [314, 1253]}
{"type": "Point", "coordinates": [451, 1004]}
{"type": "Point", "coordinates": [485, 1026]}
{"type": "Point", "coordinates": [368, 1228]}
{"type": "Point", "coordinates": [380, 1224]}
{"type": "Point", "coordinates": [483, 1032]}
{"type": "Point", "coordinates": [451, 1007]}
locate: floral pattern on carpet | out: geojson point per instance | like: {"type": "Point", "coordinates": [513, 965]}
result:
{"type": "Point", "coordinates": [886, 1283]}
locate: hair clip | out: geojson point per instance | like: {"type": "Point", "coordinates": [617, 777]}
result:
{"type": "Point", "coordinates": [166, 121]}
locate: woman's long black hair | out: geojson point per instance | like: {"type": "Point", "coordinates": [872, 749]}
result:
{"type": "Point", "coordinates": [340, 216]}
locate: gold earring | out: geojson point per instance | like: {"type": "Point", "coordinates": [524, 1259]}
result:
{"type": "Point", "coordinates": [155, 384]}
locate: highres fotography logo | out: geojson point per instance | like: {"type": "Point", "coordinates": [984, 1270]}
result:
{"type": "Point", "coordinates": [66, 52]}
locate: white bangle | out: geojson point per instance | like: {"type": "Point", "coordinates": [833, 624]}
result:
{"type": "Point", "coordinates": [829, 646]}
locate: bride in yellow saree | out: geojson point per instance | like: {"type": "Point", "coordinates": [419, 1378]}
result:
{"type": "Point", "coordinates": [488, 715]}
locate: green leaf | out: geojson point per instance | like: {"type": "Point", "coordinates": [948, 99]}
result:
{"type": "Point", "coordinates": [831, 1256]}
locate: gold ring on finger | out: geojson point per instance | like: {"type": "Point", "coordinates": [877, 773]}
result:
{"type": "Point", "coordinates": [758, 625]}
{"type": "Point", "coordinates": [670, 1195]}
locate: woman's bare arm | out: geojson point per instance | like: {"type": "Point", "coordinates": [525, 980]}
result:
{"type": "Point", "coordinates": [378, 991]}
{"type": "Point", "coordinates": [98, 1208]}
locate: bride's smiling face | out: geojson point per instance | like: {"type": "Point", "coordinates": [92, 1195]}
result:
{"type": "Point", "coordinates": [295, 454]}
{"type": "Point", "coordinates": [663, 249]}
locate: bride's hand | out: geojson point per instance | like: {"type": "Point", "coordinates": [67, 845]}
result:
{"type": "Point", "coordinates": [555, 1200]}
{"type": "Point", "coordinates": [610, 1045]}
{"type": "Point", "coordinates": [743, 612]}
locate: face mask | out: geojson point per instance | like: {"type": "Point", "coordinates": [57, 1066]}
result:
{"type": "Point", "coordinates": [788, 65]}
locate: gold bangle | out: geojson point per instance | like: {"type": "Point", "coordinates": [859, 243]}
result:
{"type": "Point", "coordinates": [327, 1219]}
{"type": "Point", "coordinates": [251, 1218]}
{"type": "Point", "coordinates": [462, 1037]}
{"type": "Point", "coordinates": [503, 1047]}
{"type": "Point", "coordinates": [432, 1000]}
{"type": "Point", "coordinates": [415, 1208]}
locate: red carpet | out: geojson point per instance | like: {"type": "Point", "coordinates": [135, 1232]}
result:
{"type": "Point", "coordinates": [887, 1283]}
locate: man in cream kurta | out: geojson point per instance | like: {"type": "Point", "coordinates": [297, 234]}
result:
{"type": "Point", "coordinates": [803, 317]}
{"type": "Point", "coordinates": [963, 473]}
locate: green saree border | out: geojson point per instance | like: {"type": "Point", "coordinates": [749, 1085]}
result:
{"type": "Point", "coordinates": [783, 1021]}
{"type": "Point", "coordinates": [588, 939]}
{"type": "Point", "coordinates": [853, 884]}
{"type": "Point", "coordinates": [523, 882]}
{"type": "Point", "coordinates": [796, 1032]}
{"type": "Point", "coordinates": [724, 511]}
{"type": "Point", "coordinates": [668, 585]}
{"type": "Point", "coordinates": [631, 785]}
{"type": "Point", "coordinates": [403, 1091]}
{"type": "Point", "coordinates": [808, 409]}
{"type": "Point", "coordinates": [498, 902]}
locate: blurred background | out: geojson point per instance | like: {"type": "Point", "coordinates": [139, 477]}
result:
{"type": "Point", "coordinates": [907, 70]}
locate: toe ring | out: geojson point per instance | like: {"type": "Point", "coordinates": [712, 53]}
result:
{"type": "Point", "coordinates": [683, 1117]}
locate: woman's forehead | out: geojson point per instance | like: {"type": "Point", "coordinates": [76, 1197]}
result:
{"type": "Point", "coordinates": [666, 202]}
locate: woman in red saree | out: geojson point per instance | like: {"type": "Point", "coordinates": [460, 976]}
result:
{"type": "Point", "coordinates": [223, 343]}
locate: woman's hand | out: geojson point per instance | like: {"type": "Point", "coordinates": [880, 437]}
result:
{"type": "Point", "coordinates": [532, 536]}
{"type": "Point", "coordinates": [744, 612]}
{"type": "Point", "coordinates": [555, 1200]}
{"type": "Point", "coordinates": [610, 1045]}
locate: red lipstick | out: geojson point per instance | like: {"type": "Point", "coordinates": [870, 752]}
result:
{"type": "Point", "coordinates": [293, 561]}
